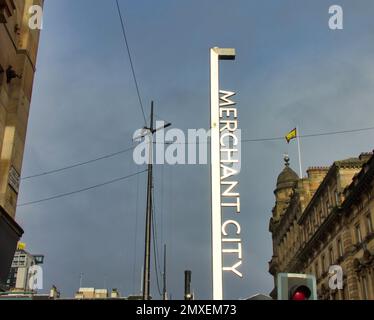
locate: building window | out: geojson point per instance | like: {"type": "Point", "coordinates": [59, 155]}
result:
{"type": "Point", "coordinates": [340, 248]}
{"type": "Point", "coordinates": [323, 264]}
{"type": "Point", "coordinates": [336, 198]}
{"type": "Point", "coordinates": [309, 227]}
{"type": "Point", "coordinates": [316, 269]}
{"type": "Point", "coordinates": [322, 212]}
{"type": "Point", "coordinates": [358, 233]}
{"type": "Point", "coordinates": [327, 207]}
{"type": "Point", "coordinates": [317, 218]}
{"type": "Point", "coordinates": [365, 293]}
{"type": "Point", "coordinates": [331, 255]}
{"type": "Point", "coordinates": [369, 223]}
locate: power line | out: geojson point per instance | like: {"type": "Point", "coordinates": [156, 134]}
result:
{"type": "Point", "coordinates": [162, 205]}
{"type": "Point", "coordinates": [155, 248]}
{"type": "Point", "coordinates": [130, 59]}
{"type": "Point", "coordinates": [312, 135]}
{"type": "Point", "coordinates": [136, 233]}
{"type": "Point", "coordinates": [110, 155]}
{"type": "Point", "coordinates": [155, 252]}
{"type": "Point", "coordinates": [62, 195]}
{"type": "Point", "coordinates": [156, 228]}
{"type": "Point", "coordinates": [279, 138]}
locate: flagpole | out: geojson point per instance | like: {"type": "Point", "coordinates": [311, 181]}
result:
{"type": "Point", "coordinates": [298, 147]}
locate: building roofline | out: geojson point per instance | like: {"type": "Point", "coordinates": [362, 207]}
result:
{"type": "Point", "coordinates": [317, 192]}
{"type": "Point", "coordinates": [358, 181]}
{"type": "Point", "coordinates": [348, 163]}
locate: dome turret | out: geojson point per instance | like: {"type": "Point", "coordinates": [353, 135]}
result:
{"type": "Point", "coordinates": [287, 177]}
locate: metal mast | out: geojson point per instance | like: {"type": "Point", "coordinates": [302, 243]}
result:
{"type": "Point", "coordinates": [148, 221]}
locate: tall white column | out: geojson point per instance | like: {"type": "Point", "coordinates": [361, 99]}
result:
{"type": "Point", "coordinates": [216, 54]}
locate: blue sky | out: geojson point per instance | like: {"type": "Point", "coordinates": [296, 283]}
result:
{"type": "Point", "coordinates": [291, 69]}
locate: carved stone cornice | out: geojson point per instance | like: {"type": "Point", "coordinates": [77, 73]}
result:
{"type": "Point", "coordinates": [318, 237]}
{"type": "Point", "coordinates": [361, 184]}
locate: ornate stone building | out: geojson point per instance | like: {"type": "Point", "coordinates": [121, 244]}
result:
{"type": "Point", "coordinates": [18, 51]}
{"type": "Point", "coordinates": [326, 219]}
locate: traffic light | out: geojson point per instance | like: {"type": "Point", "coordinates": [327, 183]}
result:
{"type": "Point", "coordinates": [299, 293]}
{"type": "Point", "coordinates": [295, 286]}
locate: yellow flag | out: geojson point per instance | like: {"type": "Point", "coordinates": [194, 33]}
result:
{"type": "Point", "coordinates": [291, 135]}
{"type": "Point", "coordinates": [21, 246]}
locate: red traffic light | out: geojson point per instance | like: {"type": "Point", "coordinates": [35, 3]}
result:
{"type": "Point", "coordinates": [296, 286]}
{"type": "Point", "coordinates": [300, 293]}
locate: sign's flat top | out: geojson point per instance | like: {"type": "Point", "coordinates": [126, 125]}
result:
{"type": "Point", "coordinates": [225, 53]}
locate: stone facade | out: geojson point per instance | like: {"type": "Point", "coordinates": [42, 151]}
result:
{"type": "Point", "coordinates": [327, 219]}
{"type": "Point", "coordinates": [18, 52]}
